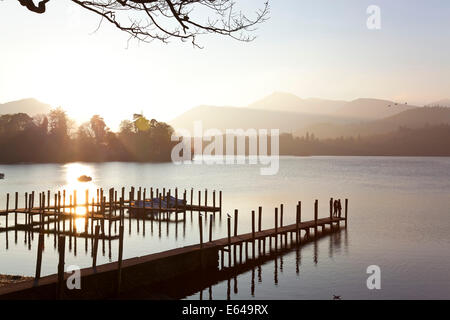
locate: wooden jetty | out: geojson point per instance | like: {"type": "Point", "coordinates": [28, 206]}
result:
{"type": "Point", "coordinates": [108, 280]}
{"type": "Point", "coordinates": [44, 210]}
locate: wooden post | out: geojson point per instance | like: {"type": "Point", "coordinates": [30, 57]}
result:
{"type": "Point", "coordinates": [7, 209]}
{"type": "Point", "coordinates": [119, 268]}
{"type": "Point", "coordinates": [86, 215]}
{"type": "Point", "coordinates": [316, 216]}
{"type": "Point", "coordinates": [95, 248]}
{"type": "Point", "coordinates": [199, 199]}
{"type": "Point", "coordinates": [55, 216]}
{"type": "Point", "coordinates": [206, 197]}
{"type": "Point", "coordinates": [210, 227]}
{"type": "Point", "coordinates": [229, 239]}
{"type": "Point", "coordinates": [259, 218]}
{"type": "Point", "coordinates": [297, 223]}
{"type": "Point", "coordinates": [281, 215]}
{"type": "Point", "coordinates": [176, 202]}
{"type": "Point", "coordinates": [276, 221]}
{"type": "Point", "coordinates": [214, 200]}
{"type": "Point", "coordinates": [220, 201]}
{"type": "Point", "coordinates": [61, 251]}
{"type": "Point", "coordinates": [253, 226]}
{"type": "Point", "coordinates": [253, 234]}
{"type": "Point", "coordinates": [346, 211]}
{"type": "Point", "coordinates": [276, 229]}
{"type": "Point", "coordinates": [200, 229]}
{"type": "Point", "coordinates": [16, 204]}
{"type": "Point", "coordinates": [192, 196]}
{"type": "Point", "coordinates": [236, 222]}
{"type": "Point", "coordinates": [39, 257]}
{"type": "Point", "coordinates": [331, 208]}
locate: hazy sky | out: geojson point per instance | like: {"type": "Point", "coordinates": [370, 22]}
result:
{"type": "Point", "coordinates": [311, 48]}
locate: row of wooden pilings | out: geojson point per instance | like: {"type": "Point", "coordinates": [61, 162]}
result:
{"type": "Point", "coordinates": [101, 205]}
{"type": "Point", "coordinates": [101, 210]}
{"type": "Point", "coordinates": [278, 223]}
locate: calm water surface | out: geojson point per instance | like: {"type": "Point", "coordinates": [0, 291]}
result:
{"type": "Point", "coordinates": [399, 219]}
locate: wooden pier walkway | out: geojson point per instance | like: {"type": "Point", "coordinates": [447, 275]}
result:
{"type": "Point", "coordinates": [62, 206]}
{"type": "Point", "coordinates": [164, 266]}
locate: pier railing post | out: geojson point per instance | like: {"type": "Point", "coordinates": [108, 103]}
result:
{"type": "Point", "coordinates": [331, 208]}
{"type": "Point", "coordinates": [16, 205]}
{"type": "Point", "coordinates": [316, 216]}
{"type": "Point", "coordinates": [61, 251]}
{"type": "Point", "coordinates": [39, 257]}
{"type": "Point", "coordinates": [276, 229]}
{"type": "Point", "coordinates": [119, 262]}
{"type": "Point", "coordinates": [210, 227]}
{"type": "Point", "coordinates": [7, 210]}
{"type": "Point", "coordinates": [95, 248]}
{"type": "Point", "coordinates": [229, 239]}
{"type": "Point", "coordinates": [200, 225]}
{"type": "Point", "coordinates": [235, 222]}
{"type": "Point", "coordinates": [297, 223]}
{"type": "Point", "coordinates": [346, 211]}
{"type": "Point", "coordinates": [253, 234]}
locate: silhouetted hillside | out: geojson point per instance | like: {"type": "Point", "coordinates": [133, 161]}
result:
{"type": "Point", "coordinates": [413, 118]}
{"type": "Point", "coordinates": [232, 117]}
{"type": "Point", "coordinates": [372, 108]}
{"type": "Point", "coordinates": [425, 141]}
{"type": "Point", "coordinates": [281, 101]}
{"type": "Point", "coordinates": [28, 106]}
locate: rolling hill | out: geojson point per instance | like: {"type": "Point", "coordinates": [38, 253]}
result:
{"type": "Point", "coordinates": [28, 106]}
{"type": "Point", "coordinates": [233, 118]}
{"type": "Point", "coordinates": [372, 108]}
{"type": "Point", "coordinates": [369, 109]}
{"type": "Point", "coordinates": [281, 101]}
{"type": "Point", "coordinates": [412, 118]}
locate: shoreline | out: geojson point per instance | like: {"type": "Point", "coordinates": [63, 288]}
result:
{"type": "Point", "coordinates": [6, 279]}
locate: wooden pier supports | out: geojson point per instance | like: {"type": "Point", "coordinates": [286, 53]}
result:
{"type": "Point", "coordinates": [316, 216]}
{"type": "Point", "coordinates": [61, 251]}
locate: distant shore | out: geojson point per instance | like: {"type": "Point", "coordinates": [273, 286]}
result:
{"type": "Point", "coordinates": [10, 279]}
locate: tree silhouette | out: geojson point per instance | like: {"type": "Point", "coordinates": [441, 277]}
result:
{"type": "Point", "coordinates": [147, 20]}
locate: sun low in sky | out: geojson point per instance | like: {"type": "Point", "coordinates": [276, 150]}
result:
{"type": "Point", "coordinates": [309, 48]}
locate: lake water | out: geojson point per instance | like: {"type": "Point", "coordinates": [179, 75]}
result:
{"type": "Point", "coordinates": [399, 220]}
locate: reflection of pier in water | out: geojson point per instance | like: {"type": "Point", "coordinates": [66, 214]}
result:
{"type": "Point", "coordinates": [202, 284]}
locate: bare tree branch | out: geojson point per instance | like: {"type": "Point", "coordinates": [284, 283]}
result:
{"type": "Point", "coordinates": [147, 20]}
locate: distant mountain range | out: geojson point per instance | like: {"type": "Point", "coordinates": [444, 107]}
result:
{"type": "Point", "coordinates": [236, 117]}
{"type": "Point", "coordinates": [413, 118]}
{"type": "Point", "coordinates": [369, 109]}
{"type": "Point", "coordinates": [29, 106]}
{"type": "Point", "coordinates": [324, 118]}
{"type": "Point", "coordinates": [291, 114]}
